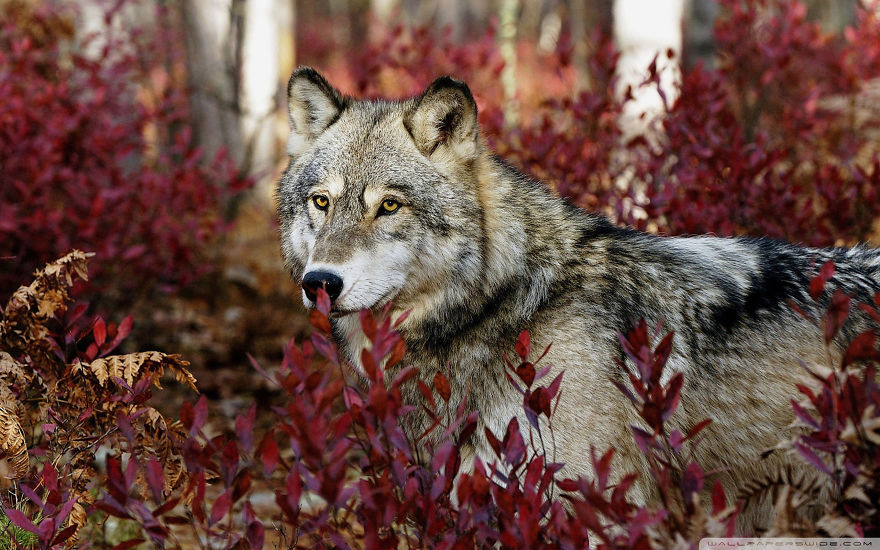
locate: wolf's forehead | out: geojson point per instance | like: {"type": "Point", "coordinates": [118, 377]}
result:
{"type": "Point", "coordinates": [365, 149]}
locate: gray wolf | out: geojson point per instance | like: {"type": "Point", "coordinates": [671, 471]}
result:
{"type": "Point", "coordinates": [403, 202]}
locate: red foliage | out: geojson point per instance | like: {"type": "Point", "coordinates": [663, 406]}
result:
{"type": "Point", "coordinates": [770, 143]}
{"type": "Point", "coordinates": [97, 159]}
{"type": "Point", "coordinates": [777, 129]}
{"type": "Point", "coordinates": [840, 412]}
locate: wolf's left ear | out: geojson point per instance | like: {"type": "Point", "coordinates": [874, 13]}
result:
{"type": "Point", "coordinates": [445, 118]}
{"type": "Point", "coordinates": [312, 105]}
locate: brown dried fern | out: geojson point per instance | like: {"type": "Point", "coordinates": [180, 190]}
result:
{"type": "Point", "coordinates": [804, 482]}
{"type": "Point", "coordinates": [796, 496]}
{"type": "Point", "coordinates": [14, 462]}
{"type": "Point", "coordinates": [23, 325]}
{"type": "Point", "coordinates": [35, 379]}
{"type": "Point", "coordinates": [136, 366]}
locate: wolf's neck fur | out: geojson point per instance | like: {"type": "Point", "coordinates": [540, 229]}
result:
{"type": "Point", "coordinates": [525, 229]}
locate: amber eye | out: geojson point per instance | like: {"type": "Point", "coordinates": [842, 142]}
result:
{"type": "Point", "coordinates": [388, 206]}
{"type": "Point", "coordinates": [321, 202]}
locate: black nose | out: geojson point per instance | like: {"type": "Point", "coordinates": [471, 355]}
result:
{"type": "Point", "coordinates": [331, 283]}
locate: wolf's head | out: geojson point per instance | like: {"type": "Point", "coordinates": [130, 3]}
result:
{"type": "Point", "coordinates": [379, 201]}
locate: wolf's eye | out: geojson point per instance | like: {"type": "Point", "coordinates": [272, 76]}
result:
{"type": "Point", "coordinates": [388, 206]}
{"type": "Point", "coordinates": [321, 202]}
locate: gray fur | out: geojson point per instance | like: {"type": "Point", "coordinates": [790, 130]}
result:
{"type": "Point", "coordinates": [480, 252]}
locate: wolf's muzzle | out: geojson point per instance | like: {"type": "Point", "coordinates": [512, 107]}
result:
{"type": "Point", "coordinates": [330, 282]}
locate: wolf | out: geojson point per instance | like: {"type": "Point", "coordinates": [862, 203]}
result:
{"type": "Point", "coordinates": [403, 203]}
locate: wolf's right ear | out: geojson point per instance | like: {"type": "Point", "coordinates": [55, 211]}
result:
{"type": "Point", "coordinates": [444, 120]}
{"type": "Point", "coordinates": [312, 105]}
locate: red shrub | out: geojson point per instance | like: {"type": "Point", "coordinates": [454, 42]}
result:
{"type": "Point", "coordinates": [771, 143]}
{"type": "Point", "coordinates": [95, 159]}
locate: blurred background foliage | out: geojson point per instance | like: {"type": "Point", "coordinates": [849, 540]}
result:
{"type": "Point", "coordinates": [152, 131]}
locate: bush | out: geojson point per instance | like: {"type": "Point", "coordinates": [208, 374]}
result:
{"type": "Point", "coordinates": [96, 158]}
{"type": "Point", "coordinates": [348, 468]}
{"type": "Point", "coordinates": [777, 129]}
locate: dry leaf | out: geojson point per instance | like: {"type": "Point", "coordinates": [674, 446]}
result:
{"type": "Point", "coordinates": [13, 450]}
{"type": "Point", "coordinates": [133, 366]}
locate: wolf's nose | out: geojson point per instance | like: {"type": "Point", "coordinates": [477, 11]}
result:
{"type": "Point", "coordinates": [330, 282]}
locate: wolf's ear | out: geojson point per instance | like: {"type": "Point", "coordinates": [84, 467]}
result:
{"type": "Point", "coordinates": [312, 104]}
{"type": "Point", "coordinates": [444, 118]}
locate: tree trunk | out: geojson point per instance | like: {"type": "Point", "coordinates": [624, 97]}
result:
{"type": "Point", "coordinates": [260, 71]}
{"type": "Point", "coordinates": [508, 13]}
{"type": "Point", "coordinates": [211, 30]}
{"type": "Point", "coordinates": [645, 31]}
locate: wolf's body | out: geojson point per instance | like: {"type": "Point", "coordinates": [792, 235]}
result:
{"type": "Point", "coordinates": [479, 252]}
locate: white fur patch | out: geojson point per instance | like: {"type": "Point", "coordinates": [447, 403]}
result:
{"type": "Point", "coordinates": [711, 251]}
{"type": "Point", "coordinates": [334, 184]}
{"type": "Point", "coordinates": [302, 239]}
{"type": "Point", "coordinates": [296, 144]}
{"type": "Point", "coordinates": [373, 196]}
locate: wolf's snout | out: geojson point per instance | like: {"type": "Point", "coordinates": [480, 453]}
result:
{"type": "Point", "coordinates": [330, 282]}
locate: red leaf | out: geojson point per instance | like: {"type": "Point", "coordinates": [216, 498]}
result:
{"type": "Point", "coordinates": [862, 348]}
{"type": "Point", "coordinates": [539, 402]}
{"type": "Point", "coordinates": [255, 535]}
{"type": "Point", "coordinates": [200, 414]}
{"type": "Point", "coordinates": [871, 311]}
{"type": "Point", "coordinates": [268, 451]}
{"type": "Point", "coordinates": [812, 458]}
{"type": "Point", "coordinates": [369, 365]}
{"type": "Point", "coordinates": [719, 500]}
{"type": "Point", "coordinates": [469, 428]}
{"type": "Point", "coordinates": [426, 393]}
{"type": "Point", "coordinates": [805, 417]}
{"type": "Point", "coordinates": [244, 428]}
{"type": "Point", "coordinates": [397, 353]}
{"type": "Point", "coordinates": [493, 441]}
{"type": "Point", "coordinates": [320, 321]}
{"type": "Point", "coordinates": [368, 324]}
{"type": "Point", "coordinates": [554, 386]}
{"type": "Point", "coordinates": [836, 314]}
{"type": "Point", "coordinates": [187, 415]}
{"type": "Point", "coordinates": [20, 520]}
{"type": "Point", "coordinates": [241, 486]}
{"type": "Point", "coordinates": [526, 372]}
{"type": "Point", "coordinates": [691, 482]}
{"type": "Point", "coordinates": [323, 302]}
{"type": "Point", "coordinates": [122, 331]}
{"type": "Point", "coordinates": [220, 508]}
{"type": "Point", "coordinates": [673, 393]}
{"type": "Point", "coordinates": [155, 479]}
{"type": "Point", "coordinates": [441, 384]}
{"type": "Point", "coordinates": [229, 463]}
{"type": "Point", "coordinates": [698, 428]}
{"type": "Point", "coordinates": [817, 283]}
{"type": "Point", "coordinates": [514, 445]}
{"type": "Point", "coordinates": [523, 345]}
{"type": "Point", "coordinates": [603, 468]}
{"type": "Point", "coordinates": [99, 330]}
{"type": "Point", "coordinates": [166, 506]}
{"type": "Point", "coordinates": [64, 534]}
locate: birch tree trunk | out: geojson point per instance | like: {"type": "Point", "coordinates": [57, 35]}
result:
{"type": "Point", "coordinates": [645, 30]}
{"type": "Point", "coordinates": [508, 13]}
{"type": "Point", "coordinates": [260, 71]}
